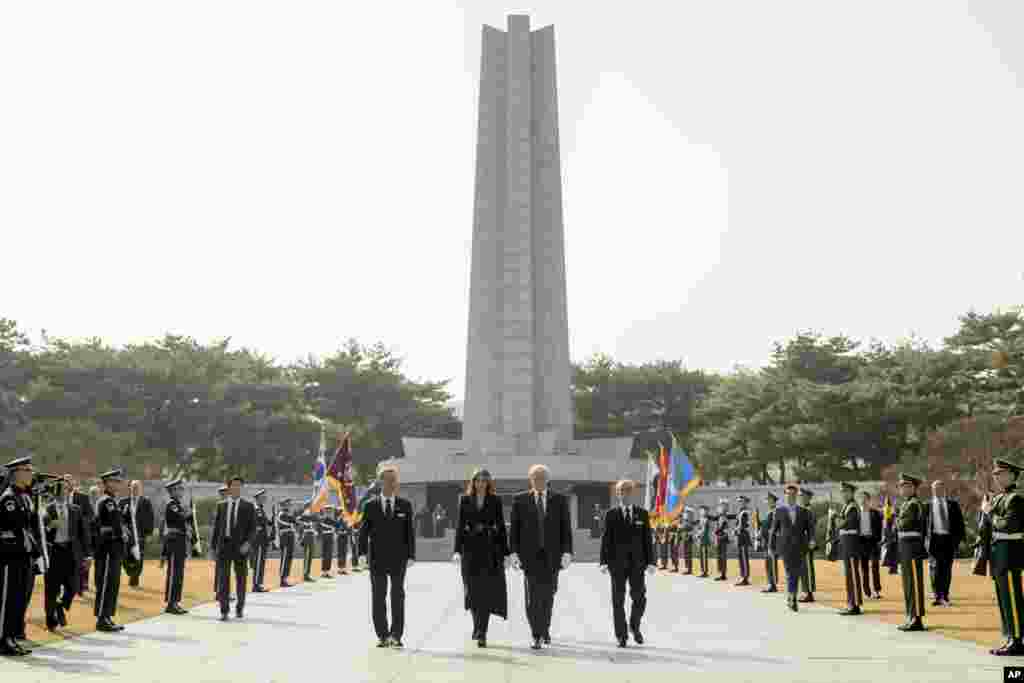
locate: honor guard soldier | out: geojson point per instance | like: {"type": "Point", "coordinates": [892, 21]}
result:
{"type": "Point", "coordinates": [286, 535]}
{"type": "Point", "coordinates": [744, 539]}
{"type": "Point", "coordinates": [771, 560]}
{"type": "Point", "coordinates": [261, 542]}
{"type": "Point", "coordinates": [660, 545]}
{"type": "Point", "coordinates": [19, 548]}
{"type": "Point", "coordinates": [721, 535]}
{"type": "Point", "coordinates": [850, 548]}
{"type": "Point", "coordinates": [328, 529]}
{"type": "Point", "coordinates": [808, 579]}
{"type": "Point", "coordinates": [704, 526]}
{"type": "Point", "coordinates": [1006, 560]}
{"type": "Point", "coordinates": [687, 531]}
{"type": "Point", "coordinates": [111, 535]}
{"type": "Point", "coordinates": [910, 530]}
{"type": "Point", "coordinates": [344, 535]}
{"type": "Point", "coordinates": [308, 523]}
{"type": "Point", "coordinates": [674, 537]}
{"type": "Point", "coordinates": [177, 543]}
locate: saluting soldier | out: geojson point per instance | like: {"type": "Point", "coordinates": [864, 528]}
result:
{"type": "Point", "coordinates": [18, 550]}
{"type": "Point", "coordinates": [327, 531]}
{"type": "Point", "coordinates": [261, 541]}
{"type": "Point", "coordinates": [687, 533]}
{"type": "Point", "coordinates": [704, 527]}
{"type": "Point", "coordinates": [1006, 560]}
{"type": "Point", "coordinates": [850, 548]}
{"type": "Point", "coordinates": [771, 560]}
{"type": "Point", "coordinates": [910, 529]}
{"type": "Point", "coordinates": [110, 549]}
{"type": "Point", "coordinates": [721, 536]}
{"type": "Point", "coordinates": [177, 543]}
{"type": "Point", "coordinates": [808, 580]}
{"type": "Point", "coordinates": [286, 535]}
{"type": "Point", "coordinates": [744, 539]}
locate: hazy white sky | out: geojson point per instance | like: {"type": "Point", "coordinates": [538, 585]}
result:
{"type": "Point", "coordinates": [293, 174]}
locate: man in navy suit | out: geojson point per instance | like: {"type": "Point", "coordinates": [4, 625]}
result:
{"type": "Point", "coordinates": [387, 534]}
{"type": "Point", "coordinates": [627, 550]}
{"type": "Point", "coordinates": [791, 535]}
{"type": "Point", "coordinates": [540, 538]}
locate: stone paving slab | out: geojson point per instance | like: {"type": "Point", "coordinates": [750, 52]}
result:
{"type": "Point", "coordinates": [692, 626]}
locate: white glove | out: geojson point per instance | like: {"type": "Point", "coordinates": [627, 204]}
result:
{"type": "Point", "coordinates": [566, 560]}
{"type": "Point", "coordinates": [456, 558]}
{"type": "Point", "coordinates": [135, 552]}
{"type": "Point", "coordinates": [362, 561]}
{"type": "Point", "coordinates": [650, 569]}
{"type": "Point", "coordinates": [41, 564]}
{"type": "Point", "coordinates": [603, 568]}
{"type": "Point", "coordinates": [508, 562]}
{"type": "Point", "coordinates": [410, 562]}
{"type": "Point", "coordinates": [244, 548]}
{"type": "Point", "coordinates": [516, 564]}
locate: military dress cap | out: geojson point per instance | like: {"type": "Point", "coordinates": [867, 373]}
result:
{"type": "Point", "coordinates": [847, 486]}
{"type": "Point", "coordinates": [171, 484]}
{"type": "Point", "coordinates": [704, 507]}
{"type": "Point", "coordinates": [238, 477]}
{"type": "Point", "coordinates": [772, 496]}
{"type": "Point", "coordinates": [1006, 466]}
{"type": "Point", "coordinates": [807, 492]}
{"type": "Point", "coordinates": [261, 492]}
{"type": "Point", "coordinates": [723, 501]}
{"type": "Point", "coordinates": [285, 500]}
{"type": "Point", "coordinates": [909, 479]}
{"type": "Point", "coordinates": [19, 462]}
{"type": "Point", "coordinates": [116, 473]}
{"type": "Point", "coordinates": [222, 489]}
{"type": "Point", "coordinates": [742, 499]}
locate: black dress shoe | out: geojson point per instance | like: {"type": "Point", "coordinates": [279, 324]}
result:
{"type": "Point", "coordinates": [383, 642]}
{"type": "Point", "coordinates": [1015, 648]}
{"type": "Point", "coordinates": [481, 642]}
{"type": "Point", "coordinates": [742, 582]}
{"type": "Point", "coordinates": [547, 638]}
{"type": "Point", "coordinates": [792, 605]}
{"type": "Point", "coordinates": [224, 616]}
{"type": "Point", "coordinates": [719, 578]}
{"type": "Point", "coordinates": [915, 625]}
{"type": "Point", "coordinates": [770, 589]}
{"type": "Point", "coordinates": [62, 618]}
{"type": "Point", "coordinates": [622, 642]}
{"type": "Point", "coordinates": [105, 627]}
{"type": "Point", "coordinates": [396, 642]}
{"type": "Point", "coordinates": [535, 645]}
{"type": "Point", "coordinates": [259, 589]}
{"type": "Point", "coordinates": [637, 636]}
{"type": "Point", "coordinates": [238, 614]}
{"type": "Point", "coordinates": [850, 611]}
{"type": "Point", "coordinates": [9, 649]}
{"type": "Point", "coordinates": [285, 584]}
{"type": "Point", "coordinates": [806, 598]}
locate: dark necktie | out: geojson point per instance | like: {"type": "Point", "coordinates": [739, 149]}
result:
{"type": "Point", "coordinates": [627, 515]}
{"type": "Point", "coordinates": [540, 519]}
{"type": "Point", "coordinates": [942, 515]}
{"type": "Point", "coordinates": [387, 511]}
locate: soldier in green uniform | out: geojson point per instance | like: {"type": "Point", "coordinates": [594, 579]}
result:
{"type": "Point", "coordinates": [704, 541]}
{"type": "Point", "coordinates": [850, 550]}
{"type": "Point", "coordinates": [771, 560]}
{"type": "Point", "coordinates": [687, 532]}
{"type": "Point", "coordinates": [744, 539]}
{"type": "Point", "coordinates": [1006, 511]}
{"type": "Point", "coordinates": [721, 536]}
{"type": "Point", "coordinates": [673, 544]}
{"type": "Point", "coordinates": [808, 580]}
{"type": "Point", "coordinates": [910, 531]}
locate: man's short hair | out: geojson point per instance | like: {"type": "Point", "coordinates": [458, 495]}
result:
{"type": "Point", "coordinates": [624, 483]}
{"type": "Point", "coordinates": [387, 467]}
{"type": "Point", "coordinates": [538, 468]}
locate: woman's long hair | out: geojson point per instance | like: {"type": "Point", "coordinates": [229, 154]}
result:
{"type": "Point", "coordinates": [492, 489]}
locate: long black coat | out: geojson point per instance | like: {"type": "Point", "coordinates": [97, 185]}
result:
{"type": "Point", "coordinates": [481, 539]}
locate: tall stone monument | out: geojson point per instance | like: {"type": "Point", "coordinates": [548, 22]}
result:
{"type": "Point", "coordinates": [518, 405]}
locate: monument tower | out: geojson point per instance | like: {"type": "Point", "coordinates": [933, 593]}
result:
{"type": "Point", "coordinates": [518, 406]}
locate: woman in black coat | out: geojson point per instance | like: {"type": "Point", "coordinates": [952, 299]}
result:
{"type": "Point", "coordinates": [481, 548]}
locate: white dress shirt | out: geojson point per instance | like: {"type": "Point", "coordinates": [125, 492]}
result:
{"type": "Point", "coordinates": [937, 526]}
{"type": "Point", "coordinates": [865, 521]}
{"type": "Point", "coordinates": [62, 536]}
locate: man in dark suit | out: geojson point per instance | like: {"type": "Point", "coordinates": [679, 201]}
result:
{"type": "Point", "coordinates": [84, 503]}
{"type": "Point", "coordinates": [138, 510]}
{"type": "Point", "coordinates": [70, 543]}
{"type": "Point", "coordinates": [540, 538]}
{"type": "Point", "coordinates": [791, 535]}
{"type": "Point", "coordinates": [626, 552]}
{"type": "Point", "coordinates": [388, 537]}
{"type": "Point", "coordinates": [871, 547]}
{"type": "Point", "coordinates": [944, 530]}
{"type": "Point", "coordinates": [234, 530]}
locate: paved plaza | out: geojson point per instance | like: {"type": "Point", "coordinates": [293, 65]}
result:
{"type": "Point", "coordinates": [692, 627]}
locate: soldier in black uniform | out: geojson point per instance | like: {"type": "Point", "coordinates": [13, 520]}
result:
{"type": "Point", "coordinates": [850, 549]}
{"type": "Point", "coordinates": [177, 543]}
{"type": "Point", "coordinates": [771, 560]}
{"type": "Point", "coordinates": [327, 530]}
{"type": "Point", "coordinates": [19, 549]}
{"type": "Point", "coordinates": [286, 534]}
{"type": "Point", "coordinates": [307, 527]}
{"type": "Point", "coordinates": [721, 539]}
{"type": "Point", "coordinates": [808, 579]}
{"type": "Point", "coordinates": [744, 539]}
{"type": "Point", "coordinates": [910, 528]}
{"type": "Point", "coordinates": [261, 541]}
{"type": "Point", "coordinates": [687, 531]}
{"type": "Point", "coordinates": [110, 541]}
{"type": "Point", "coordinates": [1006, 512]}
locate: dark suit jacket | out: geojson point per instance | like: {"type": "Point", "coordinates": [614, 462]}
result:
{"type": "Point", "coordinates": [524, 531]}
{"type": "Point", "coordinates": [244, 531]}
{"type": "Point", "coordinates": [85, 507]}
{"type": "Point", "coordinates": [626, 546]}
{"type": "Point", "coordinates": [791, 537]}
{"type": "Point", "coordinates": [388, 543]}
{"type": "Point", "coordinates": [78, 530]}
{"type": "Point", "coordinates": [957, 528]}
